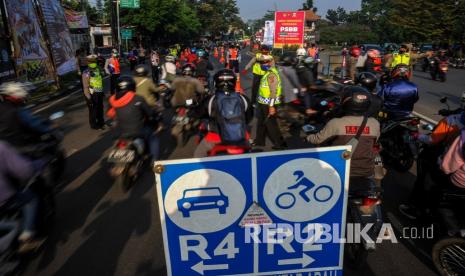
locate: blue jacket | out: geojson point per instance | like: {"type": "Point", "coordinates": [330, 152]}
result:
{"type": "Point", "coordinates": [399, 97]}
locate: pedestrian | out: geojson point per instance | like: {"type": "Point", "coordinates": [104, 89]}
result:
{"type": "Point", "coordinates": [233, 58]}
{"type": "Point", "coordinates": [269, 97]}
{"type": "Point", "coordinates": [141, 55]}
{"type": "Point", "coordinates": [354, 53]}
{"type": "Point", "coordinates": [112, 67]}
{"type": "Point", "coordinates": [314, 52]}
{"type": "Point", "coordinates": [93, 91]}
{"type": "Point", "coordinates": [258, 73]}
{"type": "Point", "coordinates": [155, 61]}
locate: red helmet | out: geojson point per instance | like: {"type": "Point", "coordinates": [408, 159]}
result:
{"type": "Point", "coordinates": [373, 53]}
{"type": "Point", "coordinates": [401, 71]}
{"type": "Point", "coordinates": [355, 51]}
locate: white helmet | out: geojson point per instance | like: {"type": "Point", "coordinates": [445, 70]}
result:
{"type": "Point", "coordinates": [15, 89]}
{"type": "Point", "coordinates": [170, 58]}
{"type": "Point", "coordinates": [301, 52]}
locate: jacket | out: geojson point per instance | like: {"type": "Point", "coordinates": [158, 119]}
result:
{"type": "Point", "coordinates": [12, 165]}
{"type": "Point", "coordinates": [168, 68]}
{"type": "Point", "coordinates": [445, 132]}
{"type": "Point", "coordinates": [453, 162]}
{"type": "Point", "coordinates": [399, 97]}
{"type": "Point", "coordinates": [202, 68]}
{"type": "Point", "coordinates": [185, 88]}
{"type": "Point", "coordinates": [131, 113]}
{"type": "Point", "coordinates": [19, 127]}
{"type": "Point", "coordinates": [146, 89]}
{"type": "Point", "coordinates": [339, 131]}
{"type": "Point", "coordinates": [112, 66]}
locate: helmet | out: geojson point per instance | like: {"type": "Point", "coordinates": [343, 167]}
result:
{"type": "Point", "coordinates": [390, 48]}
{"type": "Point", "coordinates": [367, 80]}
{"type": "Point", "coordinates": [18, 91]}
{"type": "Point", "coordinates": [201, 53]}
{"type": "Point", "coordinates": [401, 71]}
{"type": "Point", "coordinates": [188, 69]}
{"type": "Point", "coordinates": [225, 80]}
{"type": "Point", "coordinates": [373, 53]}
{"type": "Point", "coordinates": [301, 52]}
{"type": "Point", "coordinates": [194, 50]}
{"type": "Point", "coordinates": [355, 51]}
{"type": "Point", "coordinates": [356, 100]}
{"type": "Point", "coordinates": [124, 84]}
{"type": "Point", "coordinates": [170, 58]}
{"type": "Point", "coordinates": [115, 53]}
{"type": "Point", "coordinates": [141, 71]}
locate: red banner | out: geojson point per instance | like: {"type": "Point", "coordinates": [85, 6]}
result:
{"type": "Point", "coordinates": [289, 28]}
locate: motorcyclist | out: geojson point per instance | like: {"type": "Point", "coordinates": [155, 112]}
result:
{"type": "Point", "coordinates": [225, 81]}
{"type": "Point", "coordinates": [18, 126]}
{"type": "Point", "coordinates": [356, 102]}
{"type": "Point", "coordinates": [203, 65]}
{"type": "Point", "coordinates": [192, 57]}
{"type": "Point", "coordinates": [145, 86]}
{"type": "Point", "coordinates": [304, 70]}
{"type": "Point", "coordinates": [13, 166]}
{"type": "Point", "coordinates": [369, 81]}
{"type": "Point", "coordinates": [168, 69]}
{"type": "Point", "coordinates": [374, 63]}
{"type": "Point", "coordinates": [187, 89]}
{"type": "Point", "coordinates": [399, 95]}
{"type": "Point", "coordinates": [354, 53]}
{"type": "Point", "coordinates": [134, 117]}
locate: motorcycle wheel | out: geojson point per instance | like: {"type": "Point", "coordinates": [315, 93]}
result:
{"type": "Point", "coordinates": [442, 77]}
{"type": "Point", "coordinates": [124, 181]}
{"type": "Point", "coordinates": [449, 256]}
{"type": "Point", "coordinates": [355, 255]}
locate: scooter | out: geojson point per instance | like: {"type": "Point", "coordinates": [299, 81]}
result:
{"type": "Point", "coordinates": [438, 69]}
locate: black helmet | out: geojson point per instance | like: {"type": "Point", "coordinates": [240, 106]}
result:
{"type": "Point", "coordinates": [188, 69]}
{"type": "Point", "coordinates": [356, 100]}
{"type": "Point", "coordinates": [367, 80]}
{"type": "Point", "coordinates": [124, 85]}
{"type": "Point", "coordinates": [287, 59]}
{"type": "Point", "coordinates": [141, 70]}
{"type": "Point", "coordinates": [225, 80]}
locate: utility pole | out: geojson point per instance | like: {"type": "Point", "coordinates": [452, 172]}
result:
{"type": "Point", "coordinates": [119, 31]}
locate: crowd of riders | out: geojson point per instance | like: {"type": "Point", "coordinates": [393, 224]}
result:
{"type": "Point", "coordinates": [183, 78]}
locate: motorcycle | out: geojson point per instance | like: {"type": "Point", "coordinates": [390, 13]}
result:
{"type": "Point", "coordinates": [438, 69]}
{"type": "Point", "coordinates": [398, 141]}
{"type": "Point", "coordinates": [364, 207]}
{"type": "Point", "coordinates": [127, 159]}
{"type": "Point", "coordinates": [458, 63]}
{"type": "Point", "coordinates": [11, 219]}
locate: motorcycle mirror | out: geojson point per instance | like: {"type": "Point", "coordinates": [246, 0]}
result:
{"type": "Point", "coordinates": [56, 115]}
{"type": "Point", "coordinates": [443, 100]}
{"type": "Point", "coordinates": [427, 127]}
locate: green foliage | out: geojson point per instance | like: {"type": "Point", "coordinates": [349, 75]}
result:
{"type": "Point", "coordinates": [92, 13]}
{"type": "Point", "coordinates": [338, 16]}
{"type": "Point", "coordinates": [308, 5]}
{"type": "Point", "coordinates": [350, 33]}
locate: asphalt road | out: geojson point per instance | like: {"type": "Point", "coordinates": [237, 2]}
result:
{"type": "Point", "coordinates": [99, 230]}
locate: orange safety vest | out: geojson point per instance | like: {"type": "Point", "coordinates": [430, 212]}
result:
{"type": "Point", "coordinates": [312, 52]}
{"type": "Point", "coordinates": [233, 54]}
{"type": "Point", "coordinates": [114, 64]}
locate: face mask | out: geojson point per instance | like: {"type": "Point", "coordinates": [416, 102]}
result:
{"type": "Point", "coordinates": [93, 65]}
{"type": "Point", "coordinates": [265, 67]}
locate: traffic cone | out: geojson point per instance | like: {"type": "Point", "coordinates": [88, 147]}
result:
{"type": "Point", "coordinates": [222, 58]}
{"type": "Point", "coordinates": [216, 53]}
{"type": "Point", "coordinates": [238, 87]}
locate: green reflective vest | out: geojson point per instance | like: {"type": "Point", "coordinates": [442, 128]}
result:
{"type": "Point", "coordinates": [95, 81]}
{"type": "Point", "coordinates": [400, 59]}
{"type": "Point", "coordinates": [264, 92]}
{"type": "Point", "coordinates": [257, 69]}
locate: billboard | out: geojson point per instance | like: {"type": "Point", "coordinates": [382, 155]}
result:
{"type": "Point", "coordinates": [269, 33]}
{"type": "Point", "coordinates": [289, 29]}
{"type": "Point", "coordinates": [59, 36]}
{"type": "Point", "coordinates": [31, 55]}
{"type": "Point", "coordinates": [76, 20]}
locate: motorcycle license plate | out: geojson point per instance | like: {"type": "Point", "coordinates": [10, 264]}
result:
{"type": "Point", "coordinates": [121, 156]}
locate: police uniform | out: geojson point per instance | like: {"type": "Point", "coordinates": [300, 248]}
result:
{"type": "Point", "coordinates": [269, 95]}
{"type": "Point", "coordinates": [93, 91]}
{"type": "Point", "coordinates": [398, 59]}
{"type": "Point", "coordinates": [258, 73]}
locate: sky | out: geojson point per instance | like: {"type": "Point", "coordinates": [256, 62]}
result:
{"type": "Point", "coordinates": [255, 9]}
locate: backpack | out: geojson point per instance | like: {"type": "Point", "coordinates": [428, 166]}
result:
{"type": "Point", "coordinates": [230, 117]}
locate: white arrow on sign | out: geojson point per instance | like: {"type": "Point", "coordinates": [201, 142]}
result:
{"type": "Point", "coordinates": [305, 261]}
{"type": "Point", "coordinates": [200, 267]}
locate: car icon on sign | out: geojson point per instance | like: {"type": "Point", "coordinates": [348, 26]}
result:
{"type": "Point", "coordinates": [202, 199]}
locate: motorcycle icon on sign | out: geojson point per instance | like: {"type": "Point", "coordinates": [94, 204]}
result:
{"type": "Point", "coordinates": [287, 200]}
{"type": "Point", "coordinates": [202, 199]}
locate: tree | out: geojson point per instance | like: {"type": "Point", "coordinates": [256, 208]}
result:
{"type": "Point", "coordinates": [218, 16]}
{"type": "Point", "coordinates": [308, 5]}
{"type": "Point", "coordinates": [338, 16]}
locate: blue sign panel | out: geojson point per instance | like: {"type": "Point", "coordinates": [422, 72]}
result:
{"type": "Point", "coordinates": [298, 199]}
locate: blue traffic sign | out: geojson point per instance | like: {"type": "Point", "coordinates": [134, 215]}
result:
{"type": "Point", "coordinates": [255, 214]}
